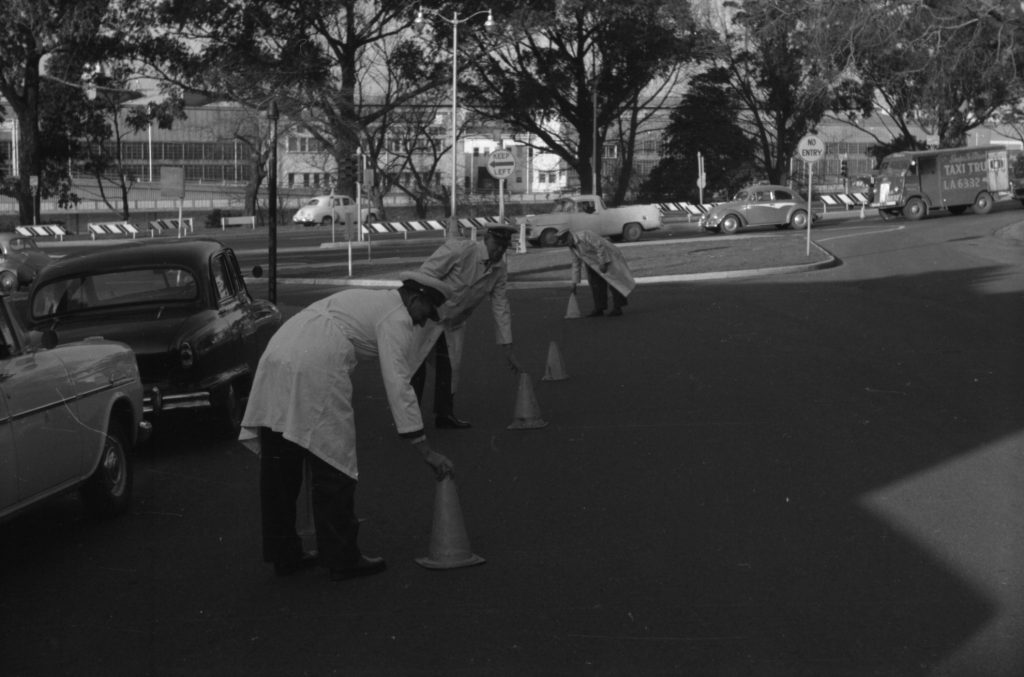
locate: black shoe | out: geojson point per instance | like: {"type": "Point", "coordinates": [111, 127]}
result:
{"type": "Point", "coordinates": [615, 312]}
{"type": "Point", "coordinates": [450, 421]}
{"type": "Point", "coordinates": [366, 566]}
{"type": "Point", "coordinates": [308, 560]}
{"type": "Point", "coordinates": [595, 313]}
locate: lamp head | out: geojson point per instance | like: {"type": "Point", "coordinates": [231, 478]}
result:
{"type": "Point", "coordinates": [420, 22]}
{"type": "Point", "coordinates": [490, 26]}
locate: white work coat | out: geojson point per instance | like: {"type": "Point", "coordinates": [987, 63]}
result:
{"type": "Point", "coordinates": [303, 387]}
{"type": "Point", "coordinates": [594, 252]}
{"type": "Point", "coordinates": [463, 265]}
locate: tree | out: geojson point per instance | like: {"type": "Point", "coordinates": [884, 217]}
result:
{"type": "Point", "coordinates": [567, 71]}
{"type": "Point", "coordinates": [781, 93]}
{"type": "Point", "coordinates": [946, 66]}
{"type": "Point", "coordinates": [310, 57]}
{"type": "Point", "coordinates": [32, 30]}
{"type": "Point", "coordinates": [706, 122]}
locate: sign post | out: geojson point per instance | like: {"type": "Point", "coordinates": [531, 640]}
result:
{"type": "Point", "coordinates": [702, 179]}
{"type": "Point", "coordinates": [172, 185]}
{"type": "Point", "coordinates": [33, 184]}
{"type": "Point", "coordinates": [500, 165]}
{"type": "Point", "coordinates": [810, 149]}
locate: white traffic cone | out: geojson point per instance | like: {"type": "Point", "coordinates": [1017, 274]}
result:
{"type": "Point", "coordinates": [555, 370]}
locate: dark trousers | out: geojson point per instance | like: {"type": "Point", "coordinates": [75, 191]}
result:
{"type": "Point", "coordinates": [443, 399]}
{"type": "Point", "coordinates": [337, 528]}
{"type": "Point", "coordinates": [600, 288]}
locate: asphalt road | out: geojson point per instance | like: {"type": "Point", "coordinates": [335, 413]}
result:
{"type": "Point", "coordinates": [815, 473]}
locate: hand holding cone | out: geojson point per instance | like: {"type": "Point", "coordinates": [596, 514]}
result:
{"type": "Point", "coordinates": [449, 543]}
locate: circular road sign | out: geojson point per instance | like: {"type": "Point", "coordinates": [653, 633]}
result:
{"type": "Point", "coordinates": [811, 148]}
{"type": "Point", "coordinates": [501, 164]}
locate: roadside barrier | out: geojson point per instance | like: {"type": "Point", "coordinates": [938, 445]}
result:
{"type": "Point", "coordinates": [45, 230]}
{"type": "Point", "coordinates": [160, 226]}
{"type": "Point", "coordinates": [116, 228]}
{"type": "Point", "coordinates": [226, 221]}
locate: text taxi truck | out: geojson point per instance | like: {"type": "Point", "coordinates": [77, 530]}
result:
{"type": "Point", "coordinates": [913, 183]}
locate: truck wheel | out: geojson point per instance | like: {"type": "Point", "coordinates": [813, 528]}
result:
{"type": "Point", "coordinates": [631, 232]}
{"type": "Point", "coordinates": [915, 209]}
{"type": "Point", "coordinates": [548, 238]}
{"type": "Point", "coordinates": [983, 203]}
{"type": "Point", "coordinates": [730, 224]}
{"type": "Point", "coordinates": [798, 220]}
{"type": "Point", "coordinates": [108, 491]}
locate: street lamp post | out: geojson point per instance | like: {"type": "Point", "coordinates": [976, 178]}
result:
{"type": "Point", "coordinates": [272, 114]}
{"type": "Point", "coordinates": [419, 24]}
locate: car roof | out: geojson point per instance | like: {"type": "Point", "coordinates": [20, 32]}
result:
{"type": "Point", "coordinates": [192, 253]}
{"type": "Point", "coordinates": [7, 237]}
{"type": "Point", "coordinates": [769, 186]}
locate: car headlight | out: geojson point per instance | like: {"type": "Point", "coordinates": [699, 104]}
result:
{"type": "Point", "coordinates": [8, 281]}
{"type": "Point", "coordinates": [186, 356]}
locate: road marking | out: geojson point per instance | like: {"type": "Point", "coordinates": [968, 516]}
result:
{"type": "Point", "coordinates": [872, 232]}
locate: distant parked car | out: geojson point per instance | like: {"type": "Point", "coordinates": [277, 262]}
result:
{"type": "Point", "coordinates": [318, 211]}
{"type": "Point", "coordinates": [183, 307]}
{"type": "Point", "coordinates": [70, 416]}
{"type": "Point", "coordinates": [759, 205]}
{"type": "Point", "coordinates": [20, 261]}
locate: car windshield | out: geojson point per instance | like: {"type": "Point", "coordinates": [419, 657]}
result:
{"type": "Point", "coordinates": [895, 165]}
{"type": "Point", "coordinates": [147, 286]}
{"type": "Point", "coordinates": [742, 195]}
{"type": "Point", "coordinates": [315, 202]}
{"type": "Point", "coordinates": [22, 244]}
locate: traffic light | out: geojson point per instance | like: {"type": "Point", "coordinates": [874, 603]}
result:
{"type": "Point", "coordinates": [843, 168]}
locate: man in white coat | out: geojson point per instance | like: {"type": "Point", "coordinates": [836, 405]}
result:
{"type": "Point", "coordinates": [300, 410]}
{"type": "Point", "coordinates": [607, 270]}
{"type": "Point", "coordinates": [475, 271]}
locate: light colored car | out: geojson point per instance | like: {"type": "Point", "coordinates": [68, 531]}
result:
{"type": "Point", "coordinates": [318, 211]}
{"type": "Point", "coordinates": [589, 212]}
{"type": "Point", "coordinates": [20, 261]}
{"type": "Point", "coordinates": [758, 205]}
{"type": "Point", "coordinates": [70, 416]}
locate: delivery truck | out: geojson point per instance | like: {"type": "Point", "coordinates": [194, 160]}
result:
{"type": "Point", "coordinates": [915, 183]}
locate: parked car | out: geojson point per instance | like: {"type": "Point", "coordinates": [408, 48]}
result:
{"type": "Point", "coordinates": [318, 211]}
{"type": "Point", "coordinates": [70, 416]}
{"type": "Point", "coordinates": [759, 205]}
{"type": "Point", "coordinates": [183, 307]}
{"type": "Point", "coordinates": [588, 212]}
{"type": "Point", "coordinates": [20, 261]}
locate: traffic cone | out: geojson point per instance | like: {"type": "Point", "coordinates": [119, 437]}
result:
{"type": "Point", "coordinates": [449, 543]}
{"type": "Point", "coordinates": [555, 370]}
{"type": "Point", "coordinates": [573, 311]}
{"type": "Point", "coordinates": [862, 210]}
{"type": "Point", "coordinates": [527, 413]}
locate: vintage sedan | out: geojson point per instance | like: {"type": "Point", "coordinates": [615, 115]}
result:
{"type": "Point", "coordinates": [758, 205]}
{"type": "Point", "coordinates": [183, 307]}
{"type": "Point", "coordinates": [70, 416]}
{"type": "Point", "coordinates": [20, 261]}
{"type": "Point", "coordinates": [317, 212]}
